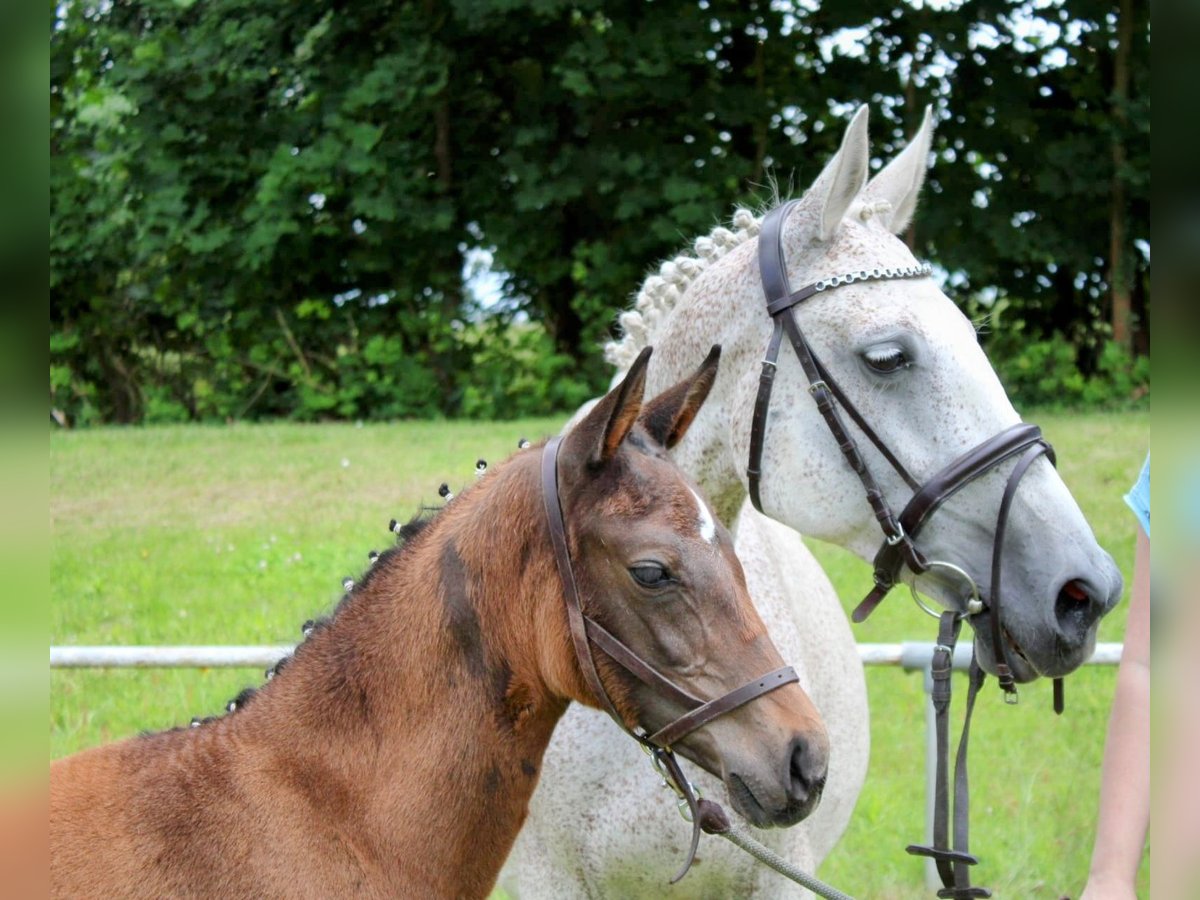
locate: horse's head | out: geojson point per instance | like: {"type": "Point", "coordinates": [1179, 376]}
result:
{"type": "Point", "coordinates": [905, 355]}
{"type": "Point", "coordinates": [657, 570]}
{"type": "Point", "coordinates": [911, 362]}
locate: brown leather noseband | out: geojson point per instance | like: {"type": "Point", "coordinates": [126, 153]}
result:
{"type": "Point", "coordinates": [899, 549]}
{"type": "Point", "coordinates": [586, 633]}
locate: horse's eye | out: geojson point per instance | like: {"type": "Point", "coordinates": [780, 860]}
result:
{"type": "Point", "coordinates": [886, 360]}
{"type": "Point", "coordinates": [649, 574]}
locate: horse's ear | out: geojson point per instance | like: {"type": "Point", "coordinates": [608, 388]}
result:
{"type": "Point", "coordinates": [668, 416]}
{"type": "Point", "coordinates": [900, 181]}
{"type": "Point", "coordinates": [843, 176]}
{"type": "Point", "coordinates": [598, 436]}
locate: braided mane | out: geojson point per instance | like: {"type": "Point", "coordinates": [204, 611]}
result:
{"type": "Point", "coordinates": [661, 293]}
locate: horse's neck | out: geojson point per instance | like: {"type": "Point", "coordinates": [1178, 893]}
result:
{"type": "Point", "coordinates": [423, 704]}
{"type": "Point", "coordinates": [723, 306]}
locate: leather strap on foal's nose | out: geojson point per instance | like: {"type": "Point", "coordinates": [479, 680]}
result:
{"type": "Point", "coordinates": [702, 715]}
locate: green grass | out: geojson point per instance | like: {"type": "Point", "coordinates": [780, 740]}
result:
{"type": "Point", "coordinates": [238, 534]}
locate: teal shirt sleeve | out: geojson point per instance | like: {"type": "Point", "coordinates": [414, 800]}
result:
{"type": "Point", "coordinates": [1138, 497]}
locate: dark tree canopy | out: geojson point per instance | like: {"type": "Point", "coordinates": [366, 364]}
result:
{"type": "Point", "coordinates": [268, 208]}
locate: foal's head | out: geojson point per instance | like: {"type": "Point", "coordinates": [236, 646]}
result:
{"type": "Point", "coordinates": [657, 570]}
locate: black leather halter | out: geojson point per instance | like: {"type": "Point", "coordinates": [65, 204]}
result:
{"type": "Point", "coordinates": [586, 632]}
{"type": "Point", "coordinates": [899, 532]}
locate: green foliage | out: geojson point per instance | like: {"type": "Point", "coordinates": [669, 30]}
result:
{"type": "Point", "coordinates": [263, 209]}
{"type": "Point", "coordinates": [1021, 197]}
{"type": "Point", "coordinates": [516, 371]}
{"type": "Point", "coordinates": [1047, 374]}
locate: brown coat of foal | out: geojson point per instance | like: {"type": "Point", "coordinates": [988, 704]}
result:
{"type": "Point", "coordinates": [396, 754]}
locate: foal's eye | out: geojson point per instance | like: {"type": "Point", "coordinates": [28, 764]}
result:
{"type": "Point", "coordinates": [649, 575]}
{"type": "Point", "coordinates": [886, 360]}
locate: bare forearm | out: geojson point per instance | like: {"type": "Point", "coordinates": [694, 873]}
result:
{"type": "Point", "coordinates": [1125, 791]}
{"type": "Point", "coordinates": [1125, 776]}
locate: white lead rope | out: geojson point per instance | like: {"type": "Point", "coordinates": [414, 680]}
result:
{"type": "Point", "coordinates": [714, 820]}
{"type": "Point", "coordinates": [768, 857]}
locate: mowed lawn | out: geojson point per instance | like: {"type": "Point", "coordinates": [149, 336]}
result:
{"type": "Point", "coordinates": [237, 535]}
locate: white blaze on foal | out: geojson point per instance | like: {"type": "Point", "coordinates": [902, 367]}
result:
{"type": "Point", "coordinates": [708, 528]}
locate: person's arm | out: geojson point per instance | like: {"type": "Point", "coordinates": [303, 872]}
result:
{"type": "Point", "coordinates": [1125, 777]}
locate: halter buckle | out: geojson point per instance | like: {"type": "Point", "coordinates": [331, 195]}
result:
{"type": "Point", "coordinates": [818, 385]}
{"type": "Point", "coordinates": [898, 537]}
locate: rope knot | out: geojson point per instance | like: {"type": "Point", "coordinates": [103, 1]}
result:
{"type": "Point", "coordinates": [713, 819]}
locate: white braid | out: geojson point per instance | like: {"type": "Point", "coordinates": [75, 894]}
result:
{"type": "Point", "coordinates": [869, 208]}
{"type": "Point", "coordinates": [661, 292]}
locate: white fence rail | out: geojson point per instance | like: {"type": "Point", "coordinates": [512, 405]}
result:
{"type": "Point", "coordinates": [910, 655]}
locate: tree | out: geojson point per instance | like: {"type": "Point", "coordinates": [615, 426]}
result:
{"type": "Point", "coordinates": [1042, 181]}
{"type": "Point", "coordinates": [264, 208]}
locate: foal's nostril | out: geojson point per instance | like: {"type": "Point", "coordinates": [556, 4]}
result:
{"type": "Point", "coordinates": [808, 769]}
{"type": "Point", "coordinates": [1076, 609]}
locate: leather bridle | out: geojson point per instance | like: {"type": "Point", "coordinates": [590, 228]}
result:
{"type": "Point", "coordinates": [898, 548]}
{"type": "Point", "coordinates": [587, 633]}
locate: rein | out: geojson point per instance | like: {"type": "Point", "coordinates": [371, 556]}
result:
{"type": "Point", "coordinates": [586, 633]}
{"type": "Point", "coordinates": [898, 548]}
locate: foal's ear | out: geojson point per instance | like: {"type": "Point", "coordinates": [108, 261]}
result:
{"type": "Point", "coordinates": [596, 439]}
{"type": "Point", "coordinates": [668, 416]}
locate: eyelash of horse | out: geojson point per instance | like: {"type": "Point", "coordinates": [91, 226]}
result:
{"type": "Point", "coordinates": [882, 356]}
{"type": "Point", "coordinates": [885, 361]}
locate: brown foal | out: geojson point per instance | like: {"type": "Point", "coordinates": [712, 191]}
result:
{"type": "Point", "coordinates": [396, 754]}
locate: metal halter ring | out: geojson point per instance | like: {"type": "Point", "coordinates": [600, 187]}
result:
{"type": "Point", "coordinates": [974, 605]}
{"type": "Point", "coordinates": [681, 799]}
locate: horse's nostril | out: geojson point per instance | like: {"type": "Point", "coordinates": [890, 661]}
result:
{"type": "Point", "coordinates": [1076, 610]}
{"type": "Point", "coordinates": [1075, 590]}
{"type": "Point", "coordinates": [807, 770]}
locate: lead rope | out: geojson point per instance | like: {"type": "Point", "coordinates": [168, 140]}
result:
{"type": "Point", "coordinates": [710, 817]}
{"type": "Point", "coordinates": [713, 820]}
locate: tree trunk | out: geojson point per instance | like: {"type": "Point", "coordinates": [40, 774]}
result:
{"type": "Point", "coordinates": [565, 324]}
{"type": "Point", "coordinates": [1118, 258]}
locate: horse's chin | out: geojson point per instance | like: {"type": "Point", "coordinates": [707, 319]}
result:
{"type": "Point", "coordinates": [1028, 662]}
{"type": "Point", "coordinates": [1023, 669]}
{"type": "Point", "coordinates": [747, 805]}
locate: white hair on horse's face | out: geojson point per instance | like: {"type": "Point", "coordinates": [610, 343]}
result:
{"type": "Point", "coordinates": [708, 528]}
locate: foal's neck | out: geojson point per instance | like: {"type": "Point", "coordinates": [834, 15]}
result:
{"type": "Point", "coordinates": [424, 705]}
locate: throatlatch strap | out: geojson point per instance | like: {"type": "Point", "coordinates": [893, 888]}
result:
{"type": "Point", "coordinates": [562, 557]}
{"type": "Point", "coordinates": [762, 405]}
